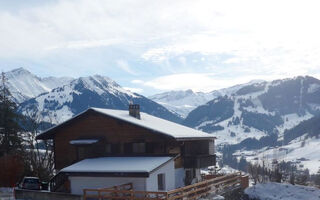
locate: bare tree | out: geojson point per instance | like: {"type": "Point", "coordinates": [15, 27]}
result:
{"type": "Point", "coordinates": [39, 153]}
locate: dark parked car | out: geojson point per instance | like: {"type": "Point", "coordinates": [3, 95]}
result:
{"type": "Point", "coordinates": [30, 183]}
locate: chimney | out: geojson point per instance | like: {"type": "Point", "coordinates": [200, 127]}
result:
{"type": "Point", "coordinates": [134, 110]}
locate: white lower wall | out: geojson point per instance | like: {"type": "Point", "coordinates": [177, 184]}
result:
{"type": "Point", "coordinates": [168, 170]}
{"type": "Point", "coordinates": [180, 174]}
{"type": "Point", "coordinates": [141, 184]}
{"type": "Point", "coordinates": [80, 183]}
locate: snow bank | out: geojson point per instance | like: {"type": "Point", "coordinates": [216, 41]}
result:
{"type": "Point", "coordinates": [276, 191]}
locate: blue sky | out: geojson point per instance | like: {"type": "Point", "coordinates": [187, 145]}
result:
{"type": "Point", "coordinates": [152, 46]}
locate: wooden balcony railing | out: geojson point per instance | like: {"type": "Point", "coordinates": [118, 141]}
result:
{"type": "Point", "coordinates": [194, 191]}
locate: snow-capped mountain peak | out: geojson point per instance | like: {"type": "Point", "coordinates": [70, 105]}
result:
{"type": "Point", "coordinates": [24, 85]}
{"type": "Point", "coordinates": [182, 102]}
{"type": "Point", "coordinates": [65, 101]}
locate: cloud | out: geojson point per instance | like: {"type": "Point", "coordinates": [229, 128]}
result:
{"type": "Point", "coordinates": [135, 90]}
{"type": "Point", "coordinates": [204, 82]}
{"type": "Point", "coordinates": [164, 44]}
{"type": "Point", "coordinates": [137, 81]}
{"type": "Point", "coordinates": [122, 64]}
{"type": "Point", "coordinates": [82, 44]}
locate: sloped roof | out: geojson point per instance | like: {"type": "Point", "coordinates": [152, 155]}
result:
{"type": "Point", "coordinates": [171, 129]}
{"type": "Point", "coordinates": [117, 164]}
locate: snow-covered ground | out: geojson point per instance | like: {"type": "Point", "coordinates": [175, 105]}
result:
{"type": "Point", "coordinates": [304, 155]}
{"type": "Point", "coordinates": [6, 194]}
{"type": "Point", "coordinates": [276, 191]}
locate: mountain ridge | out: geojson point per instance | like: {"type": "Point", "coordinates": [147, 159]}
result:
{"type": "Point", "coordinates": [24, 85]}
{"type": "Point", "coordinates": [62, 103]}
{"type": "Point", "coordinates": [259, 109]}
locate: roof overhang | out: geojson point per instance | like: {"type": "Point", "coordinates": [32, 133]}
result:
{"type": "Point", "coordinates": [49, 134]}
{"type": "Point", "coordinates": [196, 138]}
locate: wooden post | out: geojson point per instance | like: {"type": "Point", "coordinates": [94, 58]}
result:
{"type": "Point", "coordinates": [244, 181]}
{"type": "Point", "coordinates": [99, 195]}
{"type": "Point", "coordinates": [131, 194]}
{"type": "Point", "coordinates": [84, 194]}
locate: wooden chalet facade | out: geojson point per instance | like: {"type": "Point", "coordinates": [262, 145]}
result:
{"type": "Point", "coordinates": [105, 133]}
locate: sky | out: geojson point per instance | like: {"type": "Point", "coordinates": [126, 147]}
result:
{"type": "Point", "coordinates": [151, 46]}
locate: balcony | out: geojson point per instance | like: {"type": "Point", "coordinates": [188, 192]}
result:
{"type": "Point", "coordinates": [199, 161]}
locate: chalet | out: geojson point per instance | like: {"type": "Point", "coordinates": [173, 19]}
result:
{"type": "Point", "coordinates": [100, 148]}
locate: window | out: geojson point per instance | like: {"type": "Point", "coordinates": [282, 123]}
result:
{"type": "Point", "coordinates": [150, 147]}
{"type": "Point", "coordinates": [108, 148]}
{"type": "Point", "coordinates": [127, 148]}
{"type": "Point", "coordinates": [161, 181]}
{"type": "Point", "coordinates": [115, 148]}
{"type": "Point", "coordinates": [139, 147]}
{"type": "Point", "coordinates": [83, 152]}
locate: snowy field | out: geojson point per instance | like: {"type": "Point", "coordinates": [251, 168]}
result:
{"type": "Point", "coordinates": [305, 153]}
{"type": "Point", "coordinates": [276, 191]}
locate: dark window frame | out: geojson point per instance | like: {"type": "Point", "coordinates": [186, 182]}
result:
{"type": "Point", "coordinates": [161, 181]}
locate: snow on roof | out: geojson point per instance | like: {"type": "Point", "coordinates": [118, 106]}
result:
{"type": "Point", "coordinates": [87, 141]}
{"type": "Point", "coordinates": [177, 131]}
{"type": "Point", "coordinates": [157, 124]}
{"type": "Point", "coordinates": [117, 164]}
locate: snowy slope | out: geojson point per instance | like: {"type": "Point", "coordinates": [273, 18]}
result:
{"type": "Point", "coordinates": [276, 191]}
{"type": "Point", "coordinates": [258, 109]}
{"type": "Point", "coordinates": [24, 85]}
{"type": "Point", "coordinates": [302, 152]}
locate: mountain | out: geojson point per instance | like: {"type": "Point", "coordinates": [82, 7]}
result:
{"type": "Point", "coordinates": [258, 109]}
{"type": "Point", "coordinates": [300, 147]}
{"type": "Point", "coordinates": [24, 85]}
{"type": "Point", "coordinates": [184, 101]}
{"type": "Point", "coordinates": [65, 101]}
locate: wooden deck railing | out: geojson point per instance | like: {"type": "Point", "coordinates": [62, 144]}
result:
{"type": "Point", "coordinates": [194, 191]}
{"type": "Point", "coordinates": [203, 188]}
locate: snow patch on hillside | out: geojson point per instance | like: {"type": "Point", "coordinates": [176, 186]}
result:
{"type": "Point", "coordinates": [241, 131]}
{"type": "Point", "coordinates": [313, 88]}
{"type": "Point", "coordinates": [225, 136]}
{"type": "Point", "coordinates": [290, 121]}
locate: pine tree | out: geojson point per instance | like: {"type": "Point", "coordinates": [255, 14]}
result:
{"type": "Point", "coordinates": [10, 141]}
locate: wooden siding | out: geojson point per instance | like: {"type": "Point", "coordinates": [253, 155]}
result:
{"type": "Point", "coordinates": [109, 131]}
